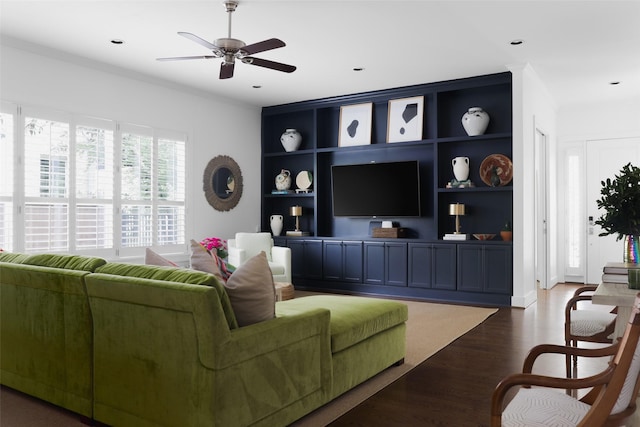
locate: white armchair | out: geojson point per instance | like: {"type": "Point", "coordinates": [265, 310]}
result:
{"type": "Point", "coordinates": [247, 245]}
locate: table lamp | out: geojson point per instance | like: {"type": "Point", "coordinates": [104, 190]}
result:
{"type": "Point", "coordinates": [296, 211]}
{"type": "Point", "coordinates": [456, 209]}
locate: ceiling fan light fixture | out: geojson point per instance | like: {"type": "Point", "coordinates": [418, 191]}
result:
{"type": "Point", "coordinates": [229, 44]}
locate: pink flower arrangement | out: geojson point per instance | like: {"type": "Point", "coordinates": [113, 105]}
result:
{"type": "Point", "coordinates": [217, 244]}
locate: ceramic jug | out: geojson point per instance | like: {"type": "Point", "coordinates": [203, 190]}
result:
{"type": "Point", "coordinates": [460, 168]}
{"type": "Point", "coordinates": [283, 180]}
{"type": "Point", "coordinates": [276, 224]}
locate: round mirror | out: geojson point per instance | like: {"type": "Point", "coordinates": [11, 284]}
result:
{"type": "Point", "coordinates": [222, 183]}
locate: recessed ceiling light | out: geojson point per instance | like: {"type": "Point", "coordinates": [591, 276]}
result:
{"type": "Point", "coordinates": [117, 41]}
{"type": "Point", "coordinates": [516, 42]}
{"type": "Point", "coordinates": [256, 86]}
{"type": "Point", "coordinates": [614, 83]}
{"type": "Point", "coordinates": [358, 69]}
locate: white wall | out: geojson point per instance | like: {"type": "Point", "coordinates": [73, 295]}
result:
{"type": "Point", "coordinates": [214, 126]}
{"type": "Point", "coordinates": [532, 107]}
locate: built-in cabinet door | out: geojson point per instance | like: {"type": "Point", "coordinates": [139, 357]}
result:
{"type": "Point", "coordinates": [444, 273]}
{"type": "Point", "coordinates": [385, 263]}
{"type": "Point", "coordinates": [395, 264]}
{"type": "Point", "coordinates": [352, 262]}
{"type": "Point", "coordinates": [306, 258]}
{"type": "Point", "coordinates": [470, 269]}
{"type": "Point", "coordinates": [313, 259]}
{"type": "Point", "coordinates": [432, 266]}
{"type": "Point", "coordinates": [374, 263]}
{"type": "Point", "coordinates": [342, 260]}
{"type": "Point", "coordinates": [332, 260]}
{"type": "Point", "coordinates": [484, 268]}
{"type": "Point", "coordinates": [498, 269]}
{"type": "Point", "coordinates": [420, 265]}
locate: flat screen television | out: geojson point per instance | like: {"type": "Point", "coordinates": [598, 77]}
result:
{"type": "Point", "coordinates": [389, 189]}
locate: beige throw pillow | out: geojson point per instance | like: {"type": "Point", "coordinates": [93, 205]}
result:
{"type": "Point", "coordinates": [202, 260]}
{"type": "Point", "coordinates": [153, 258]}
{"type": "Point", "coordinates": [251, 291]}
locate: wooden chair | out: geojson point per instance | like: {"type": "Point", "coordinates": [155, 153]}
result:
{"type": "Point", "coordinates": [610, 401]}
{"type": "Point", "coordinates": [587, 325]}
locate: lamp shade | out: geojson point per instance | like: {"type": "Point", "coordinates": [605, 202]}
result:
{"type": "Point", "coordinates": [456, 209]}
{"type": "Point", "coordinates": [295, 211]}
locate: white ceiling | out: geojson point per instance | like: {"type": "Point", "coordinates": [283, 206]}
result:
{"type": "Point", "coordinates": [576, 47]}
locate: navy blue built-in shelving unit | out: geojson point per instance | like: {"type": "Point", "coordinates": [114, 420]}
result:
{"type": "Point", "coordinates": [421, 265]}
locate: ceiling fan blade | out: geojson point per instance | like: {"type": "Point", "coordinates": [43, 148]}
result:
{"type": "Point", "coordinates": [182, 58]}
{"type": "Point", "coordinates": [199, 40]}
{"type": "Point", "coordinates": [263, 46]}
{"type": "Point", "coordinates": [269, 64]}
{"type": "Point", "coordinates": [226, 70]}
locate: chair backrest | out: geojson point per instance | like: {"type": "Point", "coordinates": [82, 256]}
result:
{"type": "Point", "coordinates": [619, 394]}
{"type": "Point", "coordinates": [254, 243]}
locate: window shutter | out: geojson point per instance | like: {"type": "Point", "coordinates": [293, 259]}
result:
{"type": "Point", "coordinates": [170, 223]}
{"type": "Point", "coordinates": [46, 164]}
{"type": "Point", "coordinates": [7, 142]}
{"type": "Point", "coordinates": [94, 188]}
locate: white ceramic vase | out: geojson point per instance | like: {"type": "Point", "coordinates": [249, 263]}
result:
{"type": "Point", "coordinates": [283, 180]}
{"type": "Point", "coordinates": [460, 168]}
{"type": "Point", "coordinates": [291, 140]}
{"type": "Point", "coordinates": [276, 224]}
{"type": "Point", "coordinates": [475, 121]}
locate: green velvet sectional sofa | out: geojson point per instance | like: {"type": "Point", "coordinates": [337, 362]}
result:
{"type": "Point", "coordinates": [136, 345]}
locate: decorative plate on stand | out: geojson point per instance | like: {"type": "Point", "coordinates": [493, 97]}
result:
{"type": "Point", "coordinates": [304, 179]}
{"type": "Point", "coordinates": [496, 170]}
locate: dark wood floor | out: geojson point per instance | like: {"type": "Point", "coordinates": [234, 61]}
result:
{"type": "Point", "coordinates": [453, 387]}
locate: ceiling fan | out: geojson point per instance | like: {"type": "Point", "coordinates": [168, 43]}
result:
{"type": "Point", "coordinates": [231, 49]}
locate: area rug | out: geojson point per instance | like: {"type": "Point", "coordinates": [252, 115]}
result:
{"type": "Point", "coordinates": [430, 328]}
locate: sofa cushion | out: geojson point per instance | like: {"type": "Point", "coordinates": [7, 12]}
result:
{"type": "Point", "coordinates": [203, 260]}
{"type": "Point", "coordinates": [252, 292]}
{"type": "Point", "coordinates": [14, 258]}
{"type": "Point", "coordinates": [153, 258]}
{"type": "Point", "coordinates": [353, 319]}
{"type": "Point", "coordinates": [174, 274]}
{"type": "Point", "coordinates": [69, 262]}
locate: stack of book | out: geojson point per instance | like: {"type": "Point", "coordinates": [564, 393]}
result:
{"type": "Point", "coordinates": [622, 272]}
{"type": "Point", "coordinates": [453, 236]}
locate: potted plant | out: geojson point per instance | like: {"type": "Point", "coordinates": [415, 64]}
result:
{"type": "Point", "coordinates": [506, 232]}
{"type": "Point", "coordinates": [621, 204]}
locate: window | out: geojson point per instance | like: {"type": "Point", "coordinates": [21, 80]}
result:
{"type": "Point", "coordinates": [7, 143]}
{"type": "Point", "coordinates": [89, 185]}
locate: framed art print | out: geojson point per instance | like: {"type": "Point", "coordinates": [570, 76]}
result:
{"type": "Point", "coordinates": [405, 119]}
{"type": "Point", "coordinates": [355, 124]}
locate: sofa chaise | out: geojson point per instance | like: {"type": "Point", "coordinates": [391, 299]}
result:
{"type": "Point", "coordinates": [163, 346]}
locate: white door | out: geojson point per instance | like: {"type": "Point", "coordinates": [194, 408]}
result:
{"type": "Point", "coordinates": [605, 158]}
{"type": "Point", "coordinates": [541, 258]}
